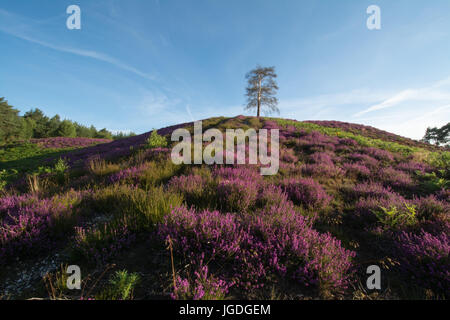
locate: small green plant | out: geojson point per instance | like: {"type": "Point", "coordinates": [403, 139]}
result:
{"type": "Point", "coordinates": [395, 217]}
{"type": "Point", "coordinates": [121, 286]}
{"type": "Point", "coordinates": [3, 176]}
{"type": "Point", "coordinates": [56, 283]}
{"type": "Point", "coordinates": [156, 141]}
{"type": "Point", "coordinates": [435, 181]}
{"type": "Point", "coordinates": [60, 167]}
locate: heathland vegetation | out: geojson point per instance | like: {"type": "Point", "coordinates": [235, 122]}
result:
{"type": "Point", "coordinates": [346, 197]}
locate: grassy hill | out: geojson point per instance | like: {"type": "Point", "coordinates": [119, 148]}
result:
{"type": "Point", "coordinates": [346, 197]}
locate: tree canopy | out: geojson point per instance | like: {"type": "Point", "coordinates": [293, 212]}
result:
{"type": "Point", "coordinates": [261, 90]}
{"type": "Point", "coordinates": [438, 136]}
{"type": "Point", "coordinates": [35, 124]}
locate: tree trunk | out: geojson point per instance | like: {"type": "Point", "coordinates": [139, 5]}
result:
{"type": "Point", "coordinates": [259, 99]}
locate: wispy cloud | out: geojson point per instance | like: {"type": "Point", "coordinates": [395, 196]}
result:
{"type": "Point", "coordinates": [438, 93]}
{"type": "Point", "coordinates": [16, 26]}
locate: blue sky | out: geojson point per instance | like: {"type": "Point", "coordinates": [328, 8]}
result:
{"type": "Point", "coordinates": [143, 64]}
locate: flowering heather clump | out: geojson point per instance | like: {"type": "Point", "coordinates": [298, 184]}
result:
{"type": "Point", "coordinates": [412, 167]}
{"type": "Point", "coordinates": [430, 207]}
{"type": "Point", "coordinates": [363, 159]}
{"type": "Point", "coordinates": [237, 172]}
{"type": "Point", "coordinates": [66, 142]}
{"type": "Point", "coordinates": [317, 142]}
{"type": "Point", "coordinates": [426, 259]}
{"type": "Point", "coordinates": [30, 225]}
{"type": "Point", "coordinates": [366, 208]}
{"type": "Point", "coordinates": [368, 189]}
{"type": "Point", "coordinates": [395, 178]}
{"type": "Point", "coordinates": [260, 248]}
{"type": "Point", "coordinates": [443, 195]}
{"type": "Point", "coordinates": [348, 142]}
{"type": "Point", "coordinates": [287, 155]}
{"type": "Point", "coordinates": [358, 170]}
{"type": "Point", "coordinates": [194, 188]}
{"type": "Point", "coordinates": [306, 192]}
{"type": "Point", "coordinates": [380, 154]}
{"type": "Point", "coordinates": [322, 158]}
{"type": "Point", "coordinates": [271, 195]}
{"type": "Point", "coordinates": [203, 287]}
{"type": "Point", "coordinates": [237, 195]}
{"type": "Point", "coordinates": [129, 175]}
{"type": "Point", "coordinates": [320, 170]}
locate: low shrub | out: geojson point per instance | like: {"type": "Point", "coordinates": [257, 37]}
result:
{"type": "Point", "coordinates": [306, 192]}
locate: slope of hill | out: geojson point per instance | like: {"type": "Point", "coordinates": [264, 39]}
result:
{"type": "Point", "coordinates": [345, 197]}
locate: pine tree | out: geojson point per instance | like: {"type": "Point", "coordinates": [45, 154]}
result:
{"type": "Point", "coordinates": [261, 90]}
{"type": "Point", "coordinates": [10, 123]}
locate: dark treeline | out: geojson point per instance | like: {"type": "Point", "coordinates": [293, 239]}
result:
{"type": "Point", "coordinates": [35, 124]}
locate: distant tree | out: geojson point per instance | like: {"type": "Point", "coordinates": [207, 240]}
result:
{"type": "Point", "coordinates": [438, 136]}
{"type": "Point", "coordinates": [93, 131]}
{"type": "Point", "coordinates": [52, 126]}
{"type": "Point", "coordinates": [28, 126]}
{"type": "Point", "coordinates": [66, 129]}
{"type": "Point", "coordinates": [35, 124]}
{"type": "Point", "coordinates": [261, 90]}
{"type": "Point", "coordinates": [82, 131]}
{"type": "Point", "coordinates": [41, 123]}
{"type": "Point", "coordinates": [104, 134]}
{"type": "Point", "coordinates": [121, 135]}
{"type": "Point", "coordinates": [10, 123]}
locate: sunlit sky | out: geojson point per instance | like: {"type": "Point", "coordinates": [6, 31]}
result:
{"type": "Point", "coordinates": [142, 64]}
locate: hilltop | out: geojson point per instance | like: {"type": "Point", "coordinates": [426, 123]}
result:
{"type": "Point", "coordinates": [346, 196]}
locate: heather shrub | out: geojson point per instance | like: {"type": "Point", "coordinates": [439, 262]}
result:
{"type": "Point", "coordinates": [395, 178]}
{"type": "Point", "coordinates": [128, 175]}
{"type": "Point", "coordinates": [271, 195]}
{"type": "Point", "coordinates": [259, 249]}
{"type": "Point", "coordinates": [366, 206]}
{"type": "Point", "coordinates": [348, 142]}
{"type": "Point", "coordinates": [196, 190]}
{"type": "Point", "coordinates": [366, 190]}
{"type": "Point", "coordinates": [237, 195]}
{"type": "Point", "coordinates": [202, 286]}
{"type": "Point", "coordinates": [380, 154]}
{"type": "Point", "coordinates": [430, 206]}
{"type": "Point", "coordinates": [241, 172]}
{"type": "Point", "coordinates": [306, 192]}
{"type": "Point", "coordinates": [288, 155]}
{"type": "Point", "coordinates": [363, 159]}
{"type": "Point", "coordinates": [320, 170]}
{"type": "Point", "coordinates": [359, 171]}
{"type": "Point", "coordinates": [322, 158]}
{"type": "Point", "coordinates": [31, 225]}
{"type": "Point", "coordinates": [412, 167]}
{"type": "Point", "coordinates": [425, 258]}
{"type": "Point", "coordinates": [294, 250]}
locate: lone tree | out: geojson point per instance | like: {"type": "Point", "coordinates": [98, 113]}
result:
{"type": "Point", "coordinates": [440, 136]}
{"type": "Point", "coordinates": [261, 90]}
